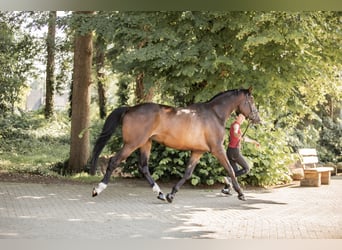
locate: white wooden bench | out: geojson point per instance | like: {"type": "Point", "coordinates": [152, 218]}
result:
{"type": "Point", "coordinates": [314, 174]}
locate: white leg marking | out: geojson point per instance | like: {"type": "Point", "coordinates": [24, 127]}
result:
{"type": "Point", "coordinates": [156, 188]}
{"type": "Point", "coordinates": [100, 187]}
{"type": "Point", "coordinates": [227, 180]}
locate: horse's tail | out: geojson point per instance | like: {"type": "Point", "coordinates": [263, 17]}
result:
{"type": "Point", "coordinates": [111, 123]}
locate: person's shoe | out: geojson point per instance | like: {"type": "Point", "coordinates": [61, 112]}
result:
{"type": "Point", "coordinates": [227, 190]}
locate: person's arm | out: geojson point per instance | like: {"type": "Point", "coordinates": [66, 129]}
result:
{"type": "Point", "coordinates": [246, 139]}
{"type": "Point", "coordinates": [236, 130]}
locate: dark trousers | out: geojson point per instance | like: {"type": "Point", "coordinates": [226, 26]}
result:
{"type": "Point", "coordinates": [235, 158]}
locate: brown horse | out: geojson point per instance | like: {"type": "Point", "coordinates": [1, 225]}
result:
{"type": "Point", "coordinates": [199, 128]}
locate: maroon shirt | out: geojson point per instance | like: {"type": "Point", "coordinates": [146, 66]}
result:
{"type": "Point", "coordinates": [234, 142]}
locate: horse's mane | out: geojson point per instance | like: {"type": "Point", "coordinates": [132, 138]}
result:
{"type": "Point", "coordinates": [232, 91]}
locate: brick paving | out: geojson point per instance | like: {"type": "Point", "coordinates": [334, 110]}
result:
{"type": "Point", "coordinates": [129, 209]}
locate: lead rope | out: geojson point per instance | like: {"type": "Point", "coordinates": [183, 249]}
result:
{"type": "Point", "coordinates": [249, 122]}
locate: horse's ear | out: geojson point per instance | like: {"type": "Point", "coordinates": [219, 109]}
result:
{"type": "Point", "coordinates": [250, 89]}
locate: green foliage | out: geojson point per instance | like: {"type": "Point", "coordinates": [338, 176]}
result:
{"type": "Point", "coordinates": [290, 58]}
{"type": "Point", "coordinates": [21, 47]}
{"type": "Point", "coordinates": [330, 143]}
{"type": "Point", "coordinates": [30, 144]}
{"type": "Point", "coordinates": [81, 22]}
{"type": "Point", "coordinates": [269, 163]}
{"type": "Point", "coordinates": [15, 61]}
{"type": "Point", "coordinates": [190, 56]}
{"type": "Point", "coordinates": [167, 164]}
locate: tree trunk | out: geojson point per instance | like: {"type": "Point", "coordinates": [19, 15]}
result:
{"type": "Point", "coordinates": [50, 65]}
{"type": "Point", "coordinates": [80, 121]}
{"type": "Point", "coordinates": [100, 60]}
{"type": "Point", "coordinates": [141, 94]}
{"type": "Point", "coordinates": [139, 88]}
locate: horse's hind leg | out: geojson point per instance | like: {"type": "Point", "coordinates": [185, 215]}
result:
{"type": "Point", "coordinates": [145, 151]}
{"type": "Point", "coordinates": [195, 156]}
{"type": "Point", "coordinates": [112, 164]}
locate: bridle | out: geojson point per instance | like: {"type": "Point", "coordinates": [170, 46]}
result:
{"type": "Point", "coordinates": [251, 116]}
{"type": "Point", "coordinates": [254, 112]}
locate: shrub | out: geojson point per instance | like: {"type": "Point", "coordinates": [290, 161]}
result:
{"type": "Point", "coordinates": [166, 164]}
{"type": "Point", "coordinates": [31, 144]}
{"type": "Point", "coordinates": [330, 141]}
{"type": "Point", "coordinates": [269, 162]}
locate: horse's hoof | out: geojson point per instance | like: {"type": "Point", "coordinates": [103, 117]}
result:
{"type": "Point", "coordinates": [169, 198]}
{"type": "Point", "coordinates": [241, 197]}
{"type": "Point", "coordinates": [94, 193]}
{"type": "Point", "coordinates": [161, 196]}
{"type": "Point", "coordinates": [227, 191]}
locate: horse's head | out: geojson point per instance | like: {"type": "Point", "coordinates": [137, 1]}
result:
{"type": "Point", "coordinates": [248, 109]}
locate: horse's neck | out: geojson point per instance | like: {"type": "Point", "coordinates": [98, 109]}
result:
{"type": "Point", "coordinates": [224, 105]}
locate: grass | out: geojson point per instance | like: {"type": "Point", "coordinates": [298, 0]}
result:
{"type": "Point", "coordinates": [85, 178]}
{"type": "Point", "coordinates": [31, 144]}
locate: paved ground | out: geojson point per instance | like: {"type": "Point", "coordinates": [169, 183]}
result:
{"type": "Point", "coordinates": [129, 209]}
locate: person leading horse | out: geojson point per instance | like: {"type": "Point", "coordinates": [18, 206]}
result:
{"type": "Point", "coordinates": [199, 127]}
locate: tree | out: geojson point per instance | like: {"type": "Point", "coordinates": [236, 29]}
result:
{"type": "Point", "coordinates": [17, 53]}
{"type": "Point", "coordinates": [137, 38]}
{"type": "Point", "coordinates": [50, 64]}
{"type": "Point", "coordinates": [290, 58]}
{"type": "Point", "coordinates": [100, 63]}
{"type": "Point", "coordinates": [83, 50]}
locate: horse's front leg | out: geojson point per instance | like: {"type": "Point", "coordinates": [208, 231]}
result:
{"type": "Point", "coordinates": [188, 172]}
